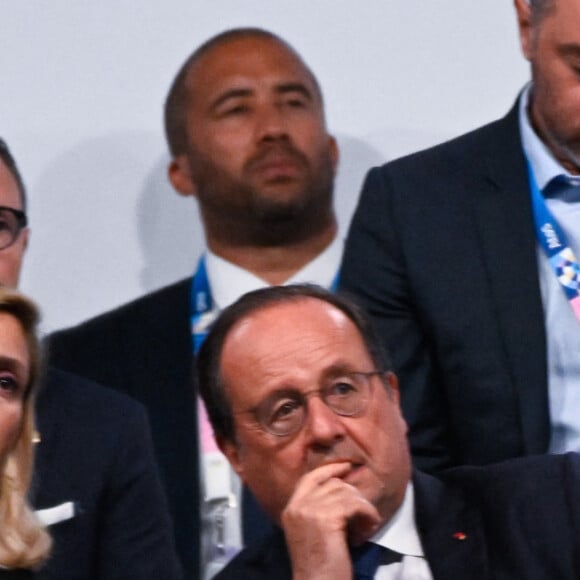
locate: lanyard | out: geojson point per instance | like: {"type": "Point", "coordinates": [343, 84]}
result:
{"type": "Point", "coordinates": [555, 245]}
{"type": "Point", "coordinates": [201, 306]}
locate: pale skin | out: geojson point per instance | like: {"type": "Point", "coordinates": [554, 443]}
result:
{"type": "Point", "coordinates": [258, 133]}
{"type": "Point", "coordinates": [336, 480]}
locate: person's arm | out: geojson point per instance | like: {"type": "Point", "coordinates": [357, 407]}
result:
{"type": "Point", "coordinates": [376, 273]}
{"type": "Point", "coordinates": [135, 539]}
{"type": "Point", "coordinates": [323, 516]}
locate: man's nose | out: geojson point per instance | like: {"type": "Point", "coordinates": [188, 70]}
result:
{"type": "Point", "coordinates": [271, 123]}
{"type": "Point", "coordinates": [323, 426]}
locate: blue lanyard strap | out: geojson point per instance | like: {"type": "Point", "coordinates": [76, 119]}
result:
{"type": "Point", "coordinates": [201, 305]}
{"type": "Point", "coordinates": [555, 245]}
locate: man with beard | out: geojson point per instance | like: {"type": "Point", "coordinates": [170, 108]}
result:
{"type": "Point", "coordinates": [245, 125]}
{"type": "Point", "coordinates": [467, 256]}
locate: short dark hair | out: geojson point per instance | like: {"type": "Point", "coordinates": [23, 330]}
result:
{"type": "Point", "coordinates": [7, 158]}
{"type": "Point", "coordinates": [178, 96]}
{"type": "Point", "coordinates": [208, 363]}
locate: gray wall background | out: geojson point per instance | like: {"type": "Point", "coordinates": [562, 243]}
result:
{"type": "Point", "coordinates": [82, 86]}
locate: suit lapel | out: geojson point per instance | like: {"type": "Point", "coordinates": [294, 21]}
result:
{"type": "Point", "coordinates": [505, 226]}
{"type": "Point", "coordinates": [451, 531]}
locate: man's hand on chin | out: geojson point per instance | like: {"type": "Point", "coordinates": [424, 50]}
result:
{"type": "Point", "coordinates": [322, 516]}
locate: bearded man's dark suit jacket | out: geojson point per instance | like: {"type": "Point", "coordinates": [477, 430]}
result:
{"type": "Point", "coordinates": [442, 253]}
{"type": "Point", "coordinates": [144, 349]}
{"type": "Point", "coordinates": [95, 450]}
{"type": "Point", "coordinates": [521, 521]}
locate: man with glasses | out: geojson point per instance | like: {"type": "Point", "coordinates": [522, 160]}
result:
{"type": "Point", "coordinates": [96, 484]}
{"type": "Point", "coordinates": [305, 407]}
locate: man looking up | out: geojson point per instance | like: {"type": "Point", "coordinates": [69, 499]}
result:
{"type": "Point", "coordinates": [304, 406]}
{"type": "Point", "coordinates": [94, 466]}
{"type": "Point", "coordinates": [467, 257]}
{"type": "Point", "coordinates": [245, 126]}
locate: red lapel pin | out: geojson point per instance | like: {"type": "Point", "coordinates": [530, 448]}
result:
{"type": "Point", "coordinates": [460, 536]}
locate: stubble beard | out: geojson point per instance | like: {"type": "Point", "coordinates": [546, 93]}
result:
{"type": "Point", "coordinates": [255, 215]}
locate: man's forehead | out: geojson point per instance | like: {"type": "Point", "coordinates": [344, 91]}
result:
{"type": "Point", "coordinates": [245, 57]}
{"type": "Point", "coordinates": [275, 324]}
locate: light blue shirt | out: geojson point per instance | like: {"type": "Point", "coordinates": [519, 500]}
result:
{"type": "Point", "coordinates": [562, 326]}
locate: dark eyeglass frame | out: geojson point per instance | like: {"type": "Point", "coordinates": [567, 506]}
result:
{"type": "Point", "coordinates": [21, 223]}
{"type": "Point", "coordinates": [262, 409]}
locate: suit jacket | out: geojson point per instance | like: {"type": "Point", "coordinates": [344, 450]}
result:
{"type": "Point", "coordinates": [144, 349]}
{"type": "Point", "coordinates": [442, 254]}
{"type": "Point", "coordinates": [16, 575]}
{"type": "Point", "coordinates": [95, 451]}
{"type": "Point", "coordinates": [521, 521]}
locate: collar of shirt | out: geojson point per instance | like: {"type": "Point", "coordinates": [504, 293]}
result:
{"type": "Point", "coordinates": [543, 162]}
{"type": "Point", "coordinates": [228, 282]}
{"type": "Point", "coordinates": [400, 532]}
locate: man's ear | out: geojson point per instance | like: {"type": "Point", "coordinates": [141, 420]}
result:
{"type": "Point", "coordinates": [232, 452]}
{"type": "Point", "coordinates": [393, 381]}
{"type": "Point", "coordinates": [525, 28]}
{"type": "Point", "coordinates": [179, 174]}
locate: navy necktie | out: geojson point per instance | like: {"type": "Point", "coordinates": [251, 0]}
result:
{"type": "Point", "coordinates": [368, 557]}
{"type": "Point", "coordinates": [561, 188]}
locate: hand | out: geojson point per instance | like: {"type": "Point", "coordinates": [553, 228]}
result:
{"type": "Point", "coordinates": [322, 514]}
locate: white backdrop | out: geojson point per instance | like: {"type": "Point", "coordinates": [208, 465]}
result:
{"type": "Point", "coordinates": [82, 86]}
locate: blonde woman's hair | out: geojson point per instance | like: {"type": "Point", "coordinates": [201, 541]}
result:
{"type": "Point", "coordinates": [24, 542]}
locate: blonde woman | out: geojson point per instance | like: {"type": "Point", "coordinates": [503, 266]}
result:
{"type": "Point", "coordinates": [24, 543]}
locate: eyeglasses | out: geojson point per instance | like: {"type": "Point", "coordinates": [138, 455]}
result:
{"type": "Point", "coordinates": [284, 412]}
{"type": "Point", "coordinates": [12, 222]}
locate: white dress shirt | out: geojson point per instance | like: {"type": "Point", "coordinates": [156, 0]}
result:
{"type": "Point", "coordinates": [400, 534]}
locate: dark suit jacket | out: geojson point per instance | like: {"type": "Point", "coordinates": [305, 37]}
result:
{"type": "Point", "coordinates": [145, 350]}
{"type": "Point", "coordinates": [17, 575]}
{"type": "Point", "coordinates": [96, 451]}
{"type": "Point", "coordinates": [442, 254]}
{"type": "Point", "coordinates": [521, 520]}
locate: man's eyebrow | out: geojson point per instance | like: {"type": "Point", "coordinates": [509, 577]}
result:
{"type": "Point", "coordinates": [290, 87]}
{"type": "Point", "coordinates": [230, 94]}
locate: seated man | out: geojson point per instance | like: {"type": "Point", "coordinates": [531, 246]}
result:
{"type": "Point", "coordinates": [96, 484]}
{"type": "Point", "coordinates": [305, 408]}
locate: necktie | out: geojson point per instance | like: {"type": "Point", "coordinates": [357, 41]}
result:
{"type": "Point", "coordinates": [561, 188]}
{"type": "Point", "coordinates": [368, 557]}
